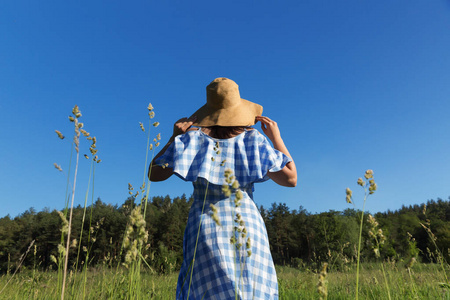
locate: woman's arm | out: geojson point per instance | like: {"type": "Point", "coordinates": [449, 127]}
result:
{"type": "Point", "coordinates": [288, 175]}
{"type": "Point", "coordinates": [159, 173]}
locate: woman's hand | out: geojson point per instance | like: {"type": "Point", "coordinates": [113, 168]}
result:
{"type": "Point", "coordinates": [183, 125]}
{"type": "Point", "coordinates": [270, 128]}
{"type": "Point", "coordinates": [288, 175]}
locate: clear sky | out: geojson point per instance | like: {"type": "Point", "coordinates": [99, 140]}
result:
{"type": "Point", "coordinates": [353, 85]}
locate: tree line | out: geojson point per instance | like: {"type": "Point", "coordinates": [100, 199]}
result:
{"type": "Point", "coordinates": [297, 237]}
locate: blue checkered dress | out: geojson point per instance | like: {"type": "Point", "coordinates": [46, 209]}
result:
{"type": "Point", "coordinates": [213, 267]}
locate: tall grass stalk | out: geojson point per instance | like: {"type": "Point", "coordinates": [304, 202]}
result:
{"type": "Point", "coordinates": [81, 231]}
{"type": "Point", "coordinates": [65, 212]}
{"type": "Point", "coordinates": [76, 144]}
{"type": "Point", "coordinates": [134, 243]}
{"type": "Point", "coordinates": [145, 181]}
{"type": "Point", "coordinates": [359, 247]}
{"type": "Point", "coordinates": [66, 254]}
{"type": "Point", "coordinates": [86, 261]}
{"type": "Point", "coordinates": [369, 188]}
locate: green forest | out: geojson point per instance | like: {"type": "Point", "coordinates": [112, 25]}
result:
{"type": "Point", "coordinates": [298, 238]}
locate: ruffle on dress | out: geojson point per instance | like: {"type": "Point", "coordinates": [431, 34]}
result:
{"type": "Point", "coordinates": [196, 154]}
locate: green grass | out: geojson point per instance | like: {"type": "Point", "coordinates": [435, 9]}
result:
{"type": "Point", "coordinates": [105, 283]}
{"type": "Point", "coordinates": [424, 284]}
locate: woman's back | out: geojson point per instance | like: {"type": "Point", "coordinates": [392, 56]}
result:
{"type": "Point", "coordinates": [226, 250]}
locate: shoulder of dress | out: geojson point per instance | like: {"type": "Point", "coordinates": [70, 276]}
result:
{"type": "Point", "coordinates": [191, 132]}
{"type": "Point", "coordinates": [254, 134]}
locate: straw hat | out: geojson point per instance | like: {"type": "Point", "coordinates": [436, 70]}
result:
{"type": "Point", "coordinates": [225, 107]}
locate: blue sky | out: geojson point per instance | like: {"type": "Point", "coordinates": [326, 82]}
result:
{"type": "Point", "coordinates": [353, 85]}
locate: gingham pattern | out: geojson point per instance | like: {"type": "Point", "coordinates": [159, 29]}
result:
{"type": "Point", "coordinates": [218, 266]}
{"type": "Point", "coordinates": [249, 155]}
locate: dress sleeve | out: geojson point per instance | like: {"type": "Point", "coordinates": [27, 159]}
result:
{"type": "Point", "coordinates": [270, 159]}
{"type": "Point", "coordinates": [188, 157]}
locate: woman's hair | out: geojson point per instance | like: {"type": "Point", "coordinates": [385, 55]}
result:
{"type": "Point", "coordinates": [226, 132]}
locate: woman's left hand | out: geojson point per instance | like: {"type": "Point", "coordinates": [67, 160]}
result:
{"type": "Point", "coordinates": [270, 128]}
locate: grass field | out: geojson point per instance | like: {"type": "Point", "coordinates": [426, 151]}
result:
{"type": "Point", "coordinates": [132, 277]}
{"type": "Point", "coordinates": [423, 281]}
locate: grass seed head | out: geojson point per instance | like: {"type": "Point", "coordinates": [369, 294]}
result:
{"type": "Point", "coordinates": [75, 110]}
{"type": "Point", "coordinates": [239, 195]}
{"type": "Point", "coordinates": [348, 197]}
{"type": "Point", "coordinates": [372, 221]}
{"type": "Point", "coordinates": [411, 262]}
{"type": "Point", "coordinates": [61, 250]}
{"type": "Point", "coordinates": [361, 182]}
{"type": "Point", "coordinates": [322, 285]}
{"type": "Point", "coordinates": [369, 174]}
{"type": "Point", "coordinates": [53, 259]}
{"type": "Point", "coordinates": [60, 135]}
{"type": "Point", "coordinates": [228, 173]}
{"type": "Point", "coordinates": [65, 227]}
{"type": "Point", "coordinates": [235, 185]}
{"type": "Point", "coordinates": [58, 167]}
{"type": "Point", "coordinates": [84, 132]}
{"type": "Point", "coordinates": [372, 188]}
{"type": "Point", "coordinates": [226, 190]}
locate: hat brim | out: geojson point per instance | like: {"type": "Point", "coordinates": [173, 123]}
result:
{"type": "Point", "coordinates": [243, 114]}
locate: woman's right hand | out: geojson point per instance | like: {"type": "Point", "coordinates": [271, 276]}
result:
{"type": "Point", "coordinates": [183, 125]}
{"type": "Point", "coordinates": [160, 173]}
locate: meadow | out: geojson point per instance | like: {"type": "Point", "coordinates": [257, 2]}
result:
{"type": "Point", "coordinates": [101, 251]}
{"type": "Point", "coordinates": [422, 281]}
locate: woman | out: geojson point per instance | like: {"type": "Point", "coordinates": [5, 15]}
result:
{"type": "Point", "coordinates": [225, 248]}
